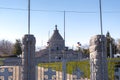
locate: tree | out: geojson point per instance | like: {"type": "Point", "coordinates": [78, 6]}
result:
{"type": "Point", "coordinates": [17, 48]}
{"type": "Point", "coordinates": [111, 45]}
{"type": "Point", "coordinates": [6, 48]}
{"type": "Point", "coordinates": [86, 51]}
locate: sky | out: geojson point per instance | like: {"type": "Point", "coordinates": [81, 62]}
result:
{"type": "Point", "coordinates": [82, 20]}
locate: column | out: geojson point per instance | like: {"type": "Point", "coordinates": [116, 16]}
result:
{"type": "Point", "coordinates": [98, 58]}
{"type": "Point", "coordinates": [28, 55]}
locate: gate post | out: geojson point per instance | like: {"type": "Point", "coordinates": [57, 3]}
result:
{"type": "Point", "coordinates": [28, 58]}
{"type": "Point", "coordinates": [98, 58]}
{"type": "Point", "coordinates": [64, 62]}
{"type": "Point", "coordinates": [64, 70]}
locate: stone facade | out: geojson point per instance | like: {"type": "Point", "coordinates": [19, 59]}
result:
{"type": "Point", "coordinates": [98, 58]}
{"type": "Point", "coordinates": [55, 50]}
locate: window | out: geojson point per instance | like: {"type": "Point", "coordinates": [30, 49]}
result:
{"type": "Point", "coordinates": [116, 77]}
{"type": "Point", "coordinates": [116, 69]}
{"type": "Point", "coordinates": [57, 48]}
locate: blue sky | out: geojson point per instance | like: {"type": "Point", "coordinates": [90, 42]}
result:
{"type": "Point", "coordinates": [79, 26]}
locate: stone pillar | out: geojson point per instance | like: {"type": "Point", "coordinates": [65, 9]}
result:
{"type": "Point", "coordinates": [28, 55]}
{"type": "Point", "coordinates": [98, 58]}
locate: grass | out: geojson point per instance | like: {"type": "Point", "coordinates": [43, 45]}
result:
{"type": "Point", "coordinates": [71, 66]}
{"type": "Point", "coordinates": [83, 65]}
{"type": "Point", "coordinates": [1, 61]}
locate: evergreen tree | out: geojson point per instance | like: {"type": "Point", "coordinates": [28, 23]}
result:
{"type": "Point", "coordinates": [17, 48]}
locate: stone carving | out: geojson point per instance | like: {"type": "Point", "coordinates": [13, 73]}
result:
{"type": "Point", "coordinates": [49, 73]}
{"type": "Point", "coordinates": [7, 73]}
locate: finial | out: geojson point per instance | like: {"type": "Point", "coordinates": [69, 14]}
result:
{"type": "Point", "coordinates": [56, 27]}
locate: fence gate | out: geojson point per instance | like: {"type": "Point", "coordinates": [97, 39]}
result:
{"type": "Point", "coordinates": [64, 70]}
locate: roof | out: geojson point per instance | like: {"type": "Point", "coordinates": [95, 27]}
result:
{"type": "Point", "coordinates": [56, 35]}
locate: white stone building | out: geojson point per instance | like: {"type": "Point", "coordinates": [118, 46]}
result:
{"type": "Point", "coordinates": [56, 49]}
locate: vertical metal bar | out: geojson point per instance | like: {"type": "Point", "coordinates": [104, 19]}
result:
{"type": "Point", "coordinates": [64, 28]}
{"type": "Point", "coordinates": [101, 24]}
{"type": "Point", "coordinates": [28, 16]}
{"type": "Point", "coordinates": [64, 56]}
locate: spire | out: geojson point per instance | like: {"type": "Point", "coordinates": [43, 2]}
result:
{"type": "Point", "coordinates": [55, 27]}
